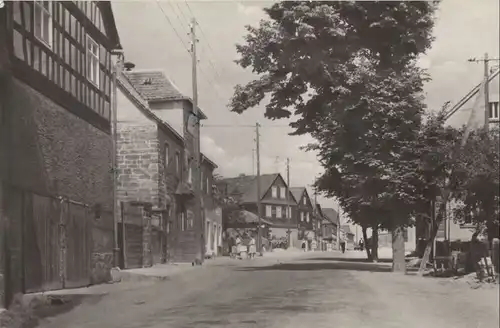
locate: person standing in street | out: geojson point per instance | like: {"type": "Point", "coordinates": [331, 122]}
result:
{"type": "Point", "coordinates": [251, 248]}
{"type": "Point", "coordinates": [342, 244]}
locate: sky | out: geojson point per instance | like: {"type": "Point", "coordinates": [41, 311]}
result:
{"type": "Point", "coordinates": [154, 35]}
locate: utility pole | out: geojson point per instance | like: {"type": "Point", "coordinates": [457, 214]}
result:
{"type": "Point", "coordinates": [259, 207]}
{"type": "Point", "coordinates": [198, 217]}
{"type": "Point", "coordinates": [485, 62]}
{"type": "Point", "coordinates": [253, 161]}
{"type": "Point", "coordinates": [117, 71]}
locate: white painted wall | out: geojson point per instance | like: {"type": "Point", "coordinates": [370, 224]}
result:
{"type": "Point", "coordinates": [172, 113]}
{"type": "Point", "coordinates": [128, 113]}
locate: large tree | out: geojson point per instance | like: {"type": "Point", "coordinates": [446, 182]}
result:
{"type": "Point", "coordinates": [477, 191]}
{"type": "Point", "coordinates": [346, 70]}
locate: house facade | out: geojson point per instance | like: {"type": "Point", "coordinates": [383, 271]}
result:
{"type": "Point", "coordinates": [278, 205]}
{"type": "Point", "coordinates": [57, 147]}
{"type": "Point", "coordinates": [348, 236]}
{"type": "Point", "coordinates": [186, 236]}
{"type": "Point", "coordinates": [305, 215]}
{"type": "Point", "coordinates": [212, 211]}
{"type": "Point", "coordinates": [331, 227]}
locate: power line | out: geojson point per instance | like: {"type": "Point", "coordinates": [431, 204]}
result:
{"type": "Point", "coordinates": [172, 25]}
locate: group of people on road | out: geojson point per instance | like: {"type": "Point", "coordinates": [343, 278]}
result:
{"type": "Point", "coordinates": [239, 248]}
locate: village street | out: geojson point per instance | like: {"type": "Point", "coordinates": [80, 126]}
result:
{"type": "Point", "coordinates": [322, 289]}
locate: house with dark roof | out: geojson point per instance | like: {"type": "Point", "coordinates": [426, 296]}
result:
{"type": "Point", "coordinates": [278, 205]}
{"type": "Point", "coordinates": [56, 85]}
{"type": "Point", "coordinates": [331, 227]}
{"type": "Point", "coordinates": [305, 215]}
{"type": "Point", "coordinates": [156, 166]}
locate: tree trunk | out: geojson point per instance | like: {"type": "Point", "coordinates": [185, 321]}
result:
{"type": "Point", "coordinates": [434, 230]}
{"type": "Point", "coordinates": [398, 250]}
{"type": "Point", "coordinates": [374, 244]}
{"type": "Point", "coordinates": [367, 248]}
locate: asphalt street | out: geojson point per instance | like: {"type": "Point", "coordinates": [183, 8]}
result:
{"type": "Point", "coordinates": [313, 289]}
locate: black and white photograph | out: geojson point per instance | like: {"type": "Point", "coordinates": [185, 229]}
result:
{"type": "Point", "coordinates": [249, 164]}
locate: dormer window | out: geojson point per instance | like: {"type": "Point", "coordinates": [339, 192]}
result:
{"type": "Point", "coordinates": [283, 192]}
{"type": "Point", "coordinates": [305, 201]}
{"type": "Point", "coordinates": [274, 192]}
{"type": "Point", "coordinates": [43, 22]}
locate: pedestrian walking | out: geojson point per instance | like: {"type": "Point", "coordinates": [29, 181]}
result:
{"type": "Point", "coordinates": [252, 250]}
{"type": "Point", "coordinates": [342, 244]}
{"type": "Point", "coordinates": [238, 247]}
{"type": "Point", "coordinates": [361, 244]}
{"type": "Point", "coordinates": [304, 246]}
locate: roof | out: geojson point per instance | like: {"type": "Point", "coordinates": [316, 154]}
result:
{"type": "Point", "coordinates": [206, 159]}
{"type": "Point", "coordinates": [246, 186]}
{"type": "Point", "coordinates": [124, 84]}
{"type": "Point", "coordinates": [331, 215]}
{"type": "Point", "coordinates": [129, 91]}
{"type": "Point", "coordinates": [154, 86]}
{"type": "Point", "coordinates": [108, 20]}
{"type": "Point", "coordinates": [469, 95]}
{"type": "Point", "coordinates": [297, 192]}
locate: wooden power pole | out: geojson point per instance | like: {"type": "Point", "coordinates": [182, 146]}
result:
{"type": "Point", "coordinates": [259, 206]}
{"type": "Point", "coordinates": [199, 224]}
{"type": "Point", "coordinates": [486, 60]}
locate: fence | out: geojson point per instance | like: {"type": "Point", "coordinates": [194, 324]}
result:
{"type": "Point", "coordinates": [49, 242]}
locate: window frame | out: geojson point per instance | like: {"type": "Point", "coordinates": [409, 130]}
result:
{"type": "Point", "coordinates": [279, 212]}
{"type": "Point", "coordinates": [274, 192]}
{"type": "Point", "coordinates": [283, 192]}
{"type": "Point", "coordinates": [43, 11]}
{"type": "Point", "coordinates": [494, 110]}
{"type": "Point", "coordinates": [307, 217]}
{"type": "Point", "coordinates": [96, 59]}
{"type": "Point", "coordinates": [269, 211]}
{"type": "Point", "coordinates": [183, 220]}
{"type": "Point", "coordinates": [166, 155]}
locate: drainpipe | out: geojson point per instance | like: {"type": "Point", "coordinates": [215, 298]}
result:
{"type": "Point", "coordinates": [117, 71]}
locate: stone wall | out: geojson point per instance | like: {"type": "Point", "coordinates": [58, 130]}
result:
{"type": "Point", "coordinates": [53, 152]}
{"type": "Point", "coordinates": [138, 163]}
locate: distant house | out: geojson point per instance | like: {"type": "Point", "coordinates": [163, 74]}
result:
{"type": "Point", "coordinates": [278, 203]}
{"type": "Point", "coordinates": [347, 235]}
{"type": "Point", "coordinates": [169, 171]}
{"type": "Point", "coordinates": [305, 214]}
{"type": "Point", "coordinates": [331, 226]}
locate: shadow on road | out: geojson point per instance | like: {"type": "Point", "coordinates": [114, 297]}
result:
{"type": "Point", "coordinates": [346, 259]}
{"type": "Point", "coordinates": [317, 266]}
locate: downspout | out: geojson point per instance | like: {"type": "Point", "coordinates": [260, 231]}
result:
{"type": "Point", "coordinates": [117, 71]}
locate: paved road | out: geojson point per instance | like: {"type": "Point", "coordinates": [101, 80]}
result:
{"type": "Point", "coordinates": [313, 289]}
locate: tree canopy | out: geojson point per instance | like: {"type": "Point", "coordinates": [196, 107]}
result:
{"type": "Point", "coordinates": [314, 57]}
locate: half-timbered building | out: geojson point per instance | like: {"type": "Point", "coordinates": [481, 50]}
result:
{"type": "Point", "coordinates": [57, 146]}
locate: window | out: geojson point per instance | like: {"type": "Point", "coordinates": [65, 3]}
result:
{"type": "Point", "coordinates": [202, 182]}
{"type": "Point", "coordinates": [274, 192]}
{"type": "Point", "coordinates": [178, 163]}
{"type": "Point", "coordinates": [494, 110]}
{"type": "Point", "coordinates": [301, 216]}
{"type": "Point", "coordinates": [405, 235]}
{"type": "Point", "coordinates": [307, 216]}
{"type": "Point", "coordinates": [268, 211]}
{"type": "Point", "coordinates": [167, 155]}
{"type": "Point", "coordinates": [289, 212]}
{"type": "Point", "coordinates": [283, 192]}
{"type": "Point", "coordinates": [183, 221]}
{"type": "Point", "coordinates": [305, 200]}
{"type": "Point", "coordinates": [93, 61]}
{"type": "Point", "coordinates": [190, 224]}
{"type": "Point", "coordinates": [43, 22]}
{"type": "Point", "coordinates": [208, 186]}
{"type": "Point", "coordinates": [278, 212]}
{"type": "Point", "coordinates": [190, 172]}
